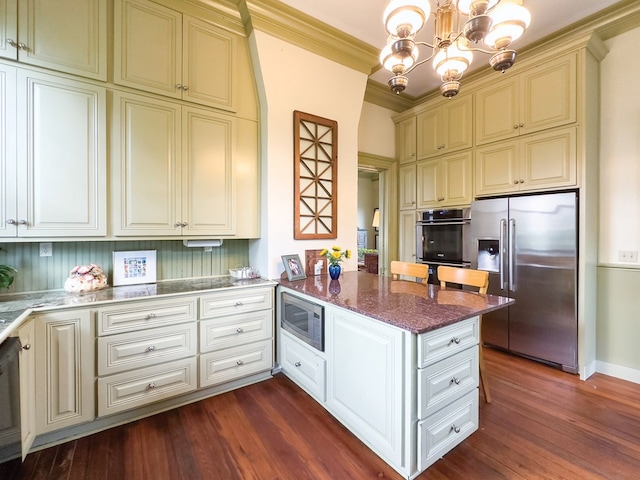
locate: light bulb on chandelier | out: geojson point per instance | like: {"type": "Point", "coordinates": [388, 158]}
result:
{"type": "Point", "coordinates": [460, 28]}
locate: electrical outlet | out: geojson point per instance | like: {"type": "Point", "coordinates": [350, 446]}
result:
{"type": "Point", "coordinates": [46, 250]}
{"type": "Point", "coordinates": [208, 249]}
{"type": "Point", "coordinates": [628, 256]}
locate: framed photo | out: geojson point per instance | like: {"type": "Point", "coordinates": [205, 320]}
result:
{"type": "Point", "coordinates": [293, 267]}
{"type": "Point", "coordinates": [135, 267]}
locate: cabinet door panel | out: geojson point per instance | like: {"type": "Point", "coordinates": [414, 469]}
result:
{"type": "Point", "coordinates": [148, 47]}
{"type": "Point", "coordinates": [27, 386]}
{"type": "Point", "coordinates": [207, 174]}
{"type": "Point", "coordinates": [67, 35]}
{"type": "Point", "coordinates": [406, 140]}
{"type": "Point", "coordinates": [144, 171]}
{"type": "Point", "coordinates": [497, 111]}
{"type": "Point", "coordinates": [497, 169]}
{"type": "Point", "coordinates": [8, 28]}
{"type": "Point", "coordinates": [550, 159]}
{"type": "Point", "coordinates": [407, 181]}
{"type": "Point", "coordinates": [209, 64]}
{"type": "Point", "coordinates": [457, 171]}
{"type": "Point", "coordinates": [8, 154]}
{"type": "Point", "coordinates": [458, 119]}
{"type": "Point", "coordinates": [429, 125]}
{"type": "Point", "coordinates": [407, 237]}
{"type": "Point", "coordinates": [429, 189]}
{"type": "Point", "coordinates": [63, 144]}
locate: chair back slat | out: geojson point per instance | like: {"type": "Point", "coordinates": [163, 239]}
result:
{"type": "Point", "coordinates": [417, 270]}
{"type": "Point", "coordinates": [464, 276]}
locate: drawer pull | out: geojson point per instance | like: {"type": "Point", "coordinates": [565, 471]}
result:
{"type": "Point", "coordinates": [297, 364]}
{"type": "Point", "coordinates": [455, 340]}
{"type": "Point", "coordinates": [455, 428]}
{"type": "Point", "coordinates": [455, 380]}
{"type": "Point", "coordinates": [239, 330]}
{"type": "Point", "coordinates": [151, 315]}
{"type": "Point", "coordinates": [151, 348]}
{"type": "Point", "coordinates": [152, 385]}
{"type": "Point", "coordinates": [239, 362]}
{"type": "Point", "coordinates": [238, 304]}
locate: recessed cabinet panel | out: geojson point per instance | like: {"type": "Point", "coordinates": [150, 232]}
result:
{"type": "Point", "coordinates": [550, 159]}
{"type": "Point", "coordinates": [8, 28]}
{"type": "Point", "coordinates": [237, 362]}
{"type": "Point", "coordinates": [429, 191]}
{"type": "Point", "coordinates": [8, 153]}
{"type": "Point", "coordinates": [234, 330]}
{"type": "Point", "coordinates": [407, 180]}
{"type": "Point", "coordinates": [497, 111]}
{"type": "Point", "coordinates": [406, 140]}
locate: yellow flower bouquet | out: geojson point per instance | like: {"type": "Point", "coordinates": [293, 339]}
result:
{"type": "Point", "coordinates": [335, 255]}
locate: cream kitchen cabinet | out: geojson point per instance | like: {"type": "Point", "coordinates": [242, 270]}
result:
{"type": "Point", "coordinates": [542, 161]}
{"type": "Point", "coordinates": [65, 372]}
{"type": "Point", "coordinates": [173, 170]}
{"type": "Point", "coordinates": [538, 98]}
{"type": "Point", "coordinates": [26, 334]}
{"type": "Point", "coordinates": [445, 127]}
{"type": "Point", "coordinates": [236, 335]}
{"type": "Point", "coordinates": [64, 35]}
{"type": "Point", "coordinates": [445, 181]}
{"type": "Point", "coordinates": [407, 236]}
{"type": "Point", "coordinates": [55, 132]}
{"type": "Point", "coordinates": [406, 140]}
{"type": "Point", "coordinates": [163, 51]}
{"type": "Point", "coordinates": [407, 187]}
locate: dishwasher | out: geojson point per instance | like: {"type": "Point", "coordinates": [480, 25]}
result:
{"type": "Point", "coordinates": [10, 438]}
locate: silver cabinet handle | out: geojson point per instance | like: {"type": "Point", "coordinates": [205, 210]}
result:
{"type": "Point", "coordinates": [239, 362]}
{"type": "Point", "coordinates": [185, 88]}
{"type": "Point", "coordinates": [26, 346]}
{"type": "Point", "coordinates": [297, 364]}
{"type": "Point", "coordinates": [239, 330]}
{"type": "Point", "coordinates": [455, 340]}
{"type": "Point", "coordinates": [22, 46]}
{"type": "Point", "coordinates": [151, 348]}
{"type": "Point", "coordinates": [179, 86]}
{"type": "Point", "coordinates": [12, 42]}
{"type": "Point", "coordinates": [177, 224]}
{"type": "Point", "coordinates": [455, 380]}
{"type": "Point", "coordinates": [455, 428]}
{"type": "Point", "coordinates": [151, 316]}
{"type": "Point", "coordinates": [152, 385]}
{"type": "Point", "coordinates": [238, 304]}
{"type": "Point", "coordinates": [22, 222]}
{"type": "Point", "coordinates": [11, 221]}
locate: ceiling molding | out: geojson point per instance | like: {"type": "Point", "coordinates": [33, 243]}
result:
{"type": "Point", "coordinates": [382, 96]}
{"type": "Point", "coordinates": [286, 23]}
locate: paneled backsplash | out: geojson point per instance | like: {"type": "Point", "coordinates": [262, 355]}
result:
{"type": "Point", "coordinates": [174, 260]}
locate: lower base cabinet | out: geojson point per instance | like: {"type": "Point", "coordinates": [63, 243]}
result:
{"type": "Point", "coordinates": [410, 398]}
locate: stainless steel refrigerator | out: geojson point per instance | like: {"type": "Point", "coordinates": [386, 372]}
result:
{"type": "Point", "coordinates": [529, 246]}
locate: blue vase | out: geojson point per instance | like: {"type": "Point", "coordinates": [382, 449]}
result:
{"type": "Point", "coordinates": [334, 271]}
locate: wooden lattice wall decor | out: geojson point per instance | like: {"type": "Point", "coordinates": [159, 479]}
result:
{"type": "Point", "coordinates": [315, 177]}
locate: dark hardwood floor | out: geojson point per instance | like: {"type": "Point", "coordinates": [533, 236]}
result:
{"type": "Point", "coordinates": [542, 424]}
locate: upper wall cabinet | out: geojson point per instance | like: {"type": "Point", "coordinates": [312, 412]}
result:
{"type": "Point", "coordinates": [53, 164]}
{"type": "Point", "coordinates": [406, 140]}
{"type": "Point", "coordinates": [536, 99]}
{"type": "Point", "coordinates": [65, 35]}
{"type": "Point", "coordinates": [445, 128]}
{"type": "Point", "coordinates": [162, 51]}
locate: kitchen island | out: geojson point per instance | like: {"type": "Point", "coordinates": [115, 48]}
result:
{"type": "Point", "coordinates": [400, 362]}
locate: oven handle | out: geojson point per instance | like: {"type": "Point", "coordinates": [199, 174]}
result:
{"type": "Point", "coordinates": [462, 222]}
{"type": "Point", "coordinates": [449, 264]}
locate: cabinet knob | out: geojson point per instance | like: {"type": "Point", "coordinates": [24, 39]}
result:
{"type": "Point", "coordinates": [151, 348]}
{"type": "Point", "coordinates": [455, 380]}
{"type": "Point", "coordinates": [22, 46]}
{"type": "Point", "coordinates": [521, 125]}
{"type": "Point", "coordinates": [238, 304]}
{"type": "Point", "coordinates": [184, 224]}
{"type": "Point", "coordinates": [521, 181]}
{"type": "Point", "coordinates": [185, 88]}
{"type": "Point", "coordinates": [12, 42]}
{"type": "Point", "coordinates": [11, 221]}
{"type": "Point", "coordinates": [151, 316]}
{"type": "Point", "coordinates": [26, 346]}
{"type": "Point", "coordinates": [152, 385]}
{"type": "Point", "coordinates": [455, 340]}
{"type": "Point", "coordinates": [22, 222]}
{"type": "Point", "coordinates": [515, 127]}
{"type": "Point", "coordinates": [239, 362]}
{"type": "Point", "coordinates": [239, 330]}
{"type": "Point", "coordinates": [297, 364]}
{"type": "Point", "coordinates": [179, 86]}
{"type": "Point", "coordinates": [455, 428]}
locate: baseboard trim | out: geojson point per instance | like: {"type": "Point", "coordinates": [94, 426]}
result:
{"type": "Point", "coordinates": [618, 371]}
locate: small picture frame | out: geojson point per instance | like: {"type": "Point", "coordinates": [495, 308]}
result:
{"type": "Point", "coordinates": [293, 267]}
{"type": "Point", "coordinates": [134, 267]}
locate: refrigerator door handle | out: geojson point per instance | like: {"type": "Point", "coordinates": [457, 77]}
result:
{"type": "Point", "coordinates": [512, 249]}
{"type": "Point", "coordinates": [503, 230]}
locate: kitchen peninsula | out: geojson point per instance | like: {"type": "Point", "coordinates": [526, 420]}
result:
{"type": "Point", "coordinates": [399, 366]}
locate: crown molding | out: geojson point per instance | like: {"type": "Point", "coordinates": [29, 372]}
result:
{"type": "Point", "coordinates": [297, 28]}
{"type": "Point", "coordinates": [382, 96]}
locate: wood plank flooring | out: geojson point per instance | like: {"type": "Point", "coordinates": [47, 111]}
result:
{"type": "Point", "coordinates": [542, 424]}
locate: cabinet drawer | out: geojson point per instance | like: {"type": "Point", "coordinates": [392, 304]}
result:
{"type": "Point", "coordinates": [235, 330]}
{"type": "Point", "coordinates": [128, 390]}
{"type": "Point", "coordinates": [303, 366]}
{"type": "Point", "coordinates": [231, 363]}
{"type": "Point", "coordinates": [444, 342]}
{"type": "Point", "coordinates": [142, 315]}
{"type": "Point", "coordinates": [236, 301]}
{"type": "Point", "coordinates": [126, 351]}
{"type": "Point", "coordinates": [445, 429]}
{"type": "Point", "coordinates": [442, 382]}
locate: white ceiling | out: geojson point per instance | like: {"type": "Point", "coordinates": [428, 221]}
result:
{"type": "Point", "coordinates": [363, 19]}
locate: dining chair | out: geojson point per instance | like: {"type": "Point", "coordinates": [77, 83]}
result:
{"type": "Point", "coordinates": [480, 280]}
{"type": "Point", "coordinates": [416, 270]}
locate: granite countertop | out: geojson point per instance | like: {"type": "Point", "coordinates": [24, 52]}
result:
{"type": "Point", "coordinates": [405, 304]}
{"type": "Point", "coordinates": [14, 308]}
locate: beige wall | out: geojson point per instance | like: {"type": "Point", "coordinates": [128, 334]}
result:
{"type": "Point", "coordinates": [618, 327]}
{"type": "Point", "coordinates": [376, 132]}
{"type": "Point", "coordinates": [290, 78]}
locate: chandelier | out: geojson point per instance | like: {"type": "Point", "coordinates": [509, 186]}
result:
{"type": "Point", "coordinates": [461, 27]}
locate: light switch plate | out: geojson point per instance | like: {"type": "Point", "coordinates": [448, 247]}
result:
{"type": "Point", "coordinates": [46, 250]}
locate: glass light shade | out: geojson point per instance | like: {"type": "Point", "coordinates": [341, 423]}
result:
{"type": "Point", "coordinates": [465, 6]}
{"type": "Point", "coordinates": [411, 14]}
{"type": "Point", "coordinates": [452, 62]}
{"type": "Point", "coordinates": [376, 218]}
{"type": "Point", "coordinates": [394, 63]}
{"type": "Point", "coordinates": [510, 21]}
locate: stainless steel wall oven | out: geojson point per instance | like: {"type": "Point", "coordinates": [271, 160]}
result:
{"type": "Point", "coordinates": [440, 236]}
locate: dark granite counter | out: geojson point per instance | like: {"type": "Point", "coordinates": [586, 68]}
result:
{"type": "Point", "coordinates": [407, 305]}
{"type": "Point", "coordinates": [16, 307]}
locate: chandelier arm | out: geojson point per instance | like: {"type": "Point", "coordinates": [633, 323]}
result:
{"type": "Point", "coordinates": [409, 70]}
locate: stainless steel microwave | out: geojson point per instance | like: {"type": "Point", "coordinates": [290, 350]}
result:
{"type": "Point", "coordinates": [303, 319]}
